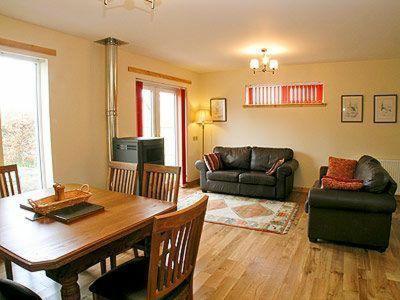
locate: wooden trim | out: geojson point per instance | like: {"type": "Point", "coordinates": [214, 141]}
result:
{"type": "Point", "coordinates": [28, 47]}
{"type": "Point", "coordinates": [158, 75]}
{"type": "Point", "coordinates": [285, 105]}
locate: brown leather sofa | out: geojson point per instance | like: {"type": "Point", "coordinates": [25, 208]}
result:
{"type": "Point", "coordinates": [244, 172]}
{"type": "Point", "coordinates": [360, 218]}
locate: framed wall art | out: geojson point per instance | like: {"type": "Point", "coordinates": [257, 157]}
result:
{"type": "Point", "coordinates": [385, 108]}
{"type": "Point", "coordinates": [352, 108]}
{"type": "Point", "coordinates": [218, 109]}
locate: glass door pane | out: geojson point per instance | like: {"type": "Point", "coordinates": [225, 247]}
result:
{"type": "Point", "coordinates": [168, 126]}
{"type": "Point", "coordinates": [19, 119]}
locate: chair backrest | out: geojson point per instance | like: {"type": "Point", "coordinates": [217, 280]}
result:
{"type": "Point", "coordinates": [9, 181]}
{"type": "Point", "coordinates": [161, 182]}
{"type": "Point", "coordinates": [174, 246]}
{"type": "Point", "coordinates": [122, 177]}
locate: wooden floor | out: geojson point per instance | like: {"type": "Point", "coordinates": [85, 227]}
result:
{"type": "Point", "coordinates": [236, 263]}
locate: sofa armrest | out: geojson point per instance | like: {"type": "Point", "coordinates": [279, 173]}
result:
{"type": "Point", "coordinates": [322, 171]}
{"type": "Point", "coordinates": [201, 165]}
{"type": "Point", "coordinates": [287, 168]}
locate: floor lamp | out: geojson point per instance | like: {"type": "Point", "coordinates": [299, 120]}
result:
{"type": "Point", "coordinates": [203, 117]}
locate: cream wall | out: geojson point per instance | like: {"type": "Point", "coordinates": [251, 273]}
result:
{"type": "Point", "coordinates": [77, 99]}
{"type": "Point", "coordinates": [313, 133]}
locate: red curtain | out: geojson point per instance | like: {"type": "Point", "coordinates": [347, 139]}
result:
{"type": "Point", "coordinates": [139, 101]}
{"type": "Point", "coordinates": [183, 133]}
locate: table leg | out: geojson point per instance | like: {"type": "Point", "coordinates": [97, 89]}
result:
{"type": "Point", "coordinates": [147, 246]}
{"type": "Point", "coordinates": [103, 266]}
{"type": "Point", "coordinates": [8, 267]}
{"type": "Point", "coordinates": [70, 288]}
{"type": "Point", "coordinates": [113, 261]}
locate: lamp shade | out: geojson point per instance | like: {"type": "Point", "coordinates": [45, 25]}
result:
{"type": "Point", "coordinates": [254, 64]}
{"type": "Point", "coordinates": [203, 116]}
{"type": "Point", "coordinates": [273, 64]}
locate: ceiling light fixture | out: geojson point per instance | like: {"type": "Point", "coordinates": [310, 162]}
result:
{"type": "Point", "coordinates": [267, 64]}
{"type": "Point", "coordinates": [152, 3]}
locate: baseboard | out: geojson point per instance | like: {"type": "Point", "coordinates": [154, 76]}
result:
{"type": "Point", "coordinates": [301, 189]}
{"type": "Point", "coordinates": [192, 184]}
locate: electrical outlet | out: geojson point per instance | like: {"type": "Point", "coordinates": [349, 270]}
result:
{"type": "Point", "coordinates": [195, 138]}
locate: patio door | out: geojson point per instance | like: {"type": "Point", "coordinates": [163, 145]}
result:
{"type": "Point", "coordinates": [160, 119]}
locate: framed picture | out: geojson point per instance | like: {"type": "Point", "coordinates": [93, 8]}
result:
{"type": "Point", "coordinates": [352, 108]}
{"type": "Point", "coordinates": [218, 109]}
{"type": "Point", "coordinates": [385, 108]}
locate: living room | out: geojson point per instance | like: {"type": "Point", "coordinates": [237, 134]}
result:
{"type": "Point", "coordinates": [318, 83]}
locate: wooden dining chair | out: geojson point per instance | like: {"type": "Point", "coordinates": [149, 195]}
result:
{"type": "Point", "coordinates": [168, 272]}
{"type": "Point", "coordinates": [161, 182]}
{"type": "Point", "coordinates": [9, 186]}
{"type": "Point", "coordinates": [122, 178]}
{"type": "Point", "coordinates": [9, 181]}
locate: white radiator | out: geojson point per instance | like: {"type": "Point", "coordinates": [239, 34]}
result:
{"type": "Point", "coordinates": [393, 167]}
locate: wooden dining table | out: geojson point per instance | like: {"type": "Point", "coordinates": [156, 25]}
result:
{"type": "Point", "coordinates": [65, 250]}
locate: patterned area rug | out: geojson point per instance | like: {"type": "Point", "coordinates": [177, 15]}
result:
{"type": "Point", "coordinates": [265, 215]}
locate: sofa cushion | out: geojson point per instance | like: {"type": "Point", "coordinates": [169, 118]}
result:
{"type": "Point", "coordinates": [374, 176]}
{"type": "Point", "coordinates": [262, 159]}
{"type": "Point", "coordinates": [350, 200]}
{"type": "Point", "coordinates": [330, 183]}
{"type": "Point", "coordinates": [340, 168]}
{"type": "Point", "coordinates": [213, 161]}
{"type": "Point", "coordinates": [224, 175]}
{"type": "Point", "coordinates": [235, 158]}
{"type": "Point", "coordinates": [257, 177]}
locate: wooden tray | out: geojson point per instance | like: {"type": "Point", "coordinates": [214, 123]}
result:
{"type": "Point", "coordinates": [52, 203]}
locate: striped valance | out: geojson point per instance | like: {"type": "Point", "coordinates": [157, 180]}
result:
{"type": "Point", "coordinates": [302, 93]}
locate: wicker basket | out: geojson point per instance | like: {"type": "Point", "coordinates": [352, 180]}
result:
{"type": "Point", "coordinates": [46, 205]}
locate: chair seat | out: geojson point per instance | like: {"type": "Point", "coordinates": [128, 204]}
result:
{"type": "Point", "coordinates": [129, 281]}
{"type": "Point", "coordinates": [10, 290]}
{"type": "Point", "coordinates": [256, 177]}
{"type": "Point", "coordinates": [224, 175]}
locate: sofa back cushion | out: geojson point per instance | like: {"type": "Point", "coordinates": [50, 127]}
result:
{"type": "Point", "coordinates": [234, 157]}
{"type": "Point", "coordinates": [262, 159]}
{"type": "Point", "coordinates": [374, 176]}
{"type": "Point", "coordinates": [340, 168]}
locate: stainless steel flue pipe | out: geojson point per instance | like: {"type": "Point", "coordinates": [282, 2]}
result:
{"type": "Point", "coordinates": [111, 45]}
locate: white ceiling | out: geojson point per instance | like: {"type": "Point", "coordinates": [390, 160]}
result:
{"type": "Point", "coordinates": [205, 35]}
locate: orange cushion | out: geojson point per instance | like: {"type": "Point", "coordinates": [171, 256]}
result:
{"type": "Point", "coordinates": [334, 184]}
{"type": "Point", "coordinates": [341, 168]}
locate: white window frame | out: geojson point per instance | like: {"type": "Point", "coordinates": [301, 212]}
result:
{"type": "Point", "coordinates": [43, 115]}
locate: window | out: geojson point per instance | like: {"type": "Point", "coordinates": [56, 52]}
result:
{"type": "Point", "coordinates": [302, 93]}
{"type": "Point", "coordinates": [24, 118]}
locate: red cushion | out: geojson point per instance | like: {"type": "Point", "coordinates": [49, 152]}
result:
{"type": "Point", "coordinates": [334, 184]}
{"type": "Point", "coordinates": [213, 161]}
{"type": "Point", "coordinates": [341, 168]}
